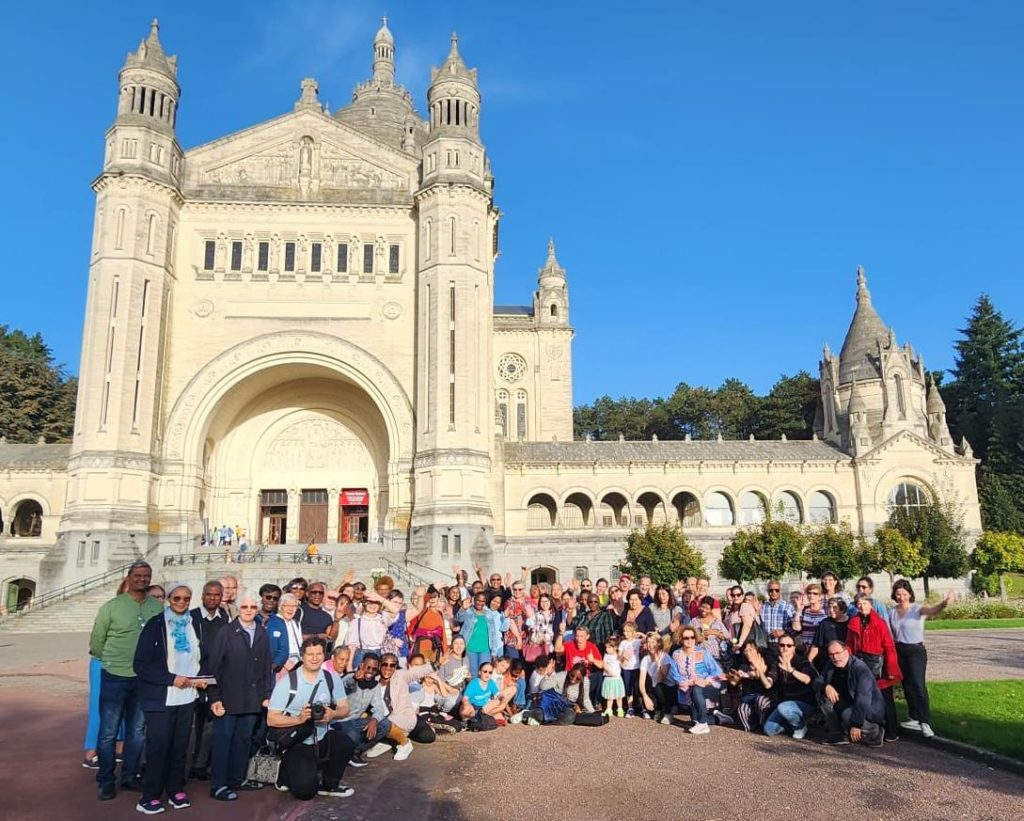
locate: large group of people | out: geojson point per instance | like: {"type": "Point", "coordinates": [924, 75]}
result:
{"type": "Point", "coordinates": [290, 685]}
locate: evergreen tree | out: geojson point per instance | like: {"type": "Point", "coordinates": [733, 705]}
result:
{"type": "Point", "coordinates": [36, 397]}
{"type": "Point", "coordinates": [789, 407]}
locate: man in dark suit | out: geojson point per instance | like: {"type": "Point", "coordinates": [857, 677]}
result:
{"type": "Point", "coordinates": [207, 620]}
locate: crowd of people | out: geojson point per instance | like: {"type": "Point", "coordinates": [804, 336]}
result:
{"type": "Point", "coordinates": [290, 685]}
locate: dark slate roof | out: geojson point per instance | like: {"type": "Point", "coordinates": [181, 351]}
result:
{"type": "Point", "coordinates": [514, 310]}
{"type": "Point", "coordinates": [859, 356]}
{"type": "Point", "coordinates": [702, 450]}
{"type": "Point", "coordinates": [13, 457]}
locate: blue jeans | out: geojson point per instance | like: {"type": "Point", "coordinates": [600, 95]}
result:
{"type": "Point", "coordinates": [788, 715]}
{"type": "Point", "coordinates": [699, 702]}
{"type": "Point", "coordinates": [474, 660]}
{"type": "Point", "coordinates": [119, 701]}
{"type": "Point", "coordinates": [353, 728]}
{"type": "Point", "coordinates": [232, 743]}
{"type": "Point", "coordinates": [520, 697]}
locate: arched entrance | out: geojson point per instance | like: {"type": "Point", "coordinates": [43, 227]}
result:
{"type": "Point", "coordinates": [292, 420]}
{"type": "Point", "coordinates": [543, 575]}
{"type": "Point", "coordinates": [28, 519]}
{"type": "Point", "coordinates": [18, 594]}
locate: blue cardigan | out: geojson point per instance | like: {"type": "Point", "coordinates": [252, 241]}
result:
{"type": "Point", "coordinates": [151, 665]}
{"type": "Point", "coordinates": [277, 632]}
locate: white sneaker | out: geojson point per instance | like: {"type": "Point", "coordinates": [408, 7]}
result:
{"type": "Point", "coordinates": [377, 749]}
{"type": "Point", "coordinates": [723, 718]}
{"type": "Point", "coordinates": [518, 717]}
{"type": "Point", "coordinates": [700, 729]}
{"type": "Point", "coordinates": [403, 751]}
{"type": "Point", "coordinates": [927, 731]}
{"type": "Point", "coordinates": [911, 724]}
{"type": "Point", "coordinates": [800, 734]}
{"type": "Point", "coordinates": [666, 720]}
{"type": "Point", "coordinates": [532, 722]}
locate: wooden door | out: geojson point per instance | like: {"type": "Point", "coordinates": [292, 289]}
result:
{"type": "Point", "coordinates": [313, 517]}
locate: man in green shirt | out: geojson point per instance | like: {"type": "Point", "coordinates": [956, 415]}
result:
{"type": "Point", "coordinates": [115, 634]}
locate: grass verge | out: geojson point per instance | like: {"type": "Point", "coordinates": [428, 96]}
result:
{"type": "Point", "coordinates": [988, 714]}
{"type": "Point", "coordinates": [971, 624]}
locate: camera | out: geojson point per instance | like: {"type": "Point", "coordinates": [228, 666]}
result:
{"type": "Point", "coordinates": [318, 711]}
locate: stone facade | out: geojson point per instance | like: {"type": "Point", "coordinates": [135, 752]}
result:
{"type": "Point", "coordinates": [292, 330]}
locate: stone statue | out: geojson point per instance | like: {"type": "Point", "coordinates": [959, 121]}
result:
{"type": "Point", "coordinates": [306, 156]}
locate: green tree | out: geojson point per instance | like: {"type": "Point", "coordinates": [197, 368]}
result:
{"type": "Point", "coordinates": [996, 554]}
{"type": "Point", "coordinates": [607, 419]}
{"type": "Point", "coordinates": [769, 550]}
{"type": "Point", "coordinates": [939, 532]}
{"type": "Point", "coordinates": [832, 548]}
{"type": "Point", "coordinates": [663, 553]}
{"type": "Point", "coordinates": [788, 409]}
{"type": "Point", "coordinates": [36, 397]}
{"type": "Point", "coordinates": [893, 553]}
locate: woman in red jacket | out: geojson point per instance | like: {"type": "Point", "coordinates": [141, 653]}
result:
{"type": "Point", "coordinates": [869, 639]}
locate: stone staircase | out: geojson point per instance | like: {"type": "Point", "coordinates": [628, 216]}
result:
{"type": "Point", "coordinates": [277, 566]}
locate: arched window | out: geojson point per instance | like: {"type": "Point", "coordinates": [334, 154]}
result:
{"type": "Point", "coordinates": [718, 510]}
{"type": "Point", "coordinates": [502, 412]}
{"type": "Point", "coordinates": [687, 509]}
{"type": "Point", "coordinates": [577, 510]}
{"type": "Point", "coordinates": [821, 508]}
{"type": "Point", "coordinates": [541, 512]}
{"type": "Point", "coordinates": [614, 510]}
{"type": "Point", "coordinates": [752, 508]}
{"type": "Point", "coordinates": [907, 495]}
{"type": "Point", "coordinates": [520, 414]}
{"type": "Point", "coordinates": [788, 507]}
{"type": "Point", "coordinates": [28, 519]}
{"type": "Point", "coordinates": [653, 507]}
{"type": "Point", "coordinates": [554, 310]}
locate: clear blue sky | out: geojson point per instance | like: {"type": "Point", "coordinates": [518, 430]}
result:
{"type": "Point", "coordinates": [712, 172]}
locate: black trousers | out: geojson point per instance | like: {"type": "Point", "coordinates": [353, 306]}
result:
{"type": "Point", "coordinates": [914, 664]}
{"type": "Point", "coordinates": [422, 733]}
{"type": "Point", "coordinates": [837, 720]}
{"type": "Point", "coordinates": [167, 736]}
{"type": "Point", "coordinates": [202, 737]}
{"type": "Point", "coordinates": [663, 696]}
{"type": "Point", "coordinates": [301, 765]}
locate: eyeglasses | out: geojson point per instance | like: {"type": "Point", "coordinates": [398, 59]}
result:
{"type": "Point", "coordinates": [517, 589]}
{"type": "Point", "coordinates": [360, 588]}
{"type": "Point", "coordinates": [248, 607]}
{"type": "Point", "coordinates": [315, 593]}
{"type": "Point", "coordinates": [185, 599]}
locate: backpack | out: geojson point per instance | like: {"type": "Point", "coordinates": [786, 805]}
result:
{"type": "Point", "coordinates": [481, 722]}
{"type": "Point", "coordinates": [553, 704]}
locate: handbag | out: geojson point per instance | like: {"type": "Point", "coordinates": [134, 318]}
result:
{"type": "Point", "coordinates": [264, 767]}
{"type": "Point", "coordinates": [532, 652]}
{"type": "Point", "coordinates": [874, 662]}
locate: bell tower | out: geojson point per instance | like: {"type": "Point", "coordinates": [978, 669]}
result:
{"type": "Point", "coordinates": [457, 221]}
{"type": "Point", "coordinates": [112, 467]}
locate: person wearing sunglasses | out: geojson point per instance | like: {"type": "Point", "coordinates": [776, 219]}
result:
{"type": "Point", "coordinates": [776, 613]}
{"type": "Point", "coordinates": [482, 628]}
{"type": "Point", "coordinates": [484, 695]}
{"type": "Point", "coordinates": [866, 587]}
{"type": "Point", "coordinates": [316, 619]}
{"type": "Point", "coordinates": [406, 725]}
{"type": "Point", "coordinates": [270, 597]}
{"type": "Point", "coordinates": [167, 661]}
{"type": "Point", "coordinates": [791, 690]}
{"type": "Point", "coordinates": [810, 612]}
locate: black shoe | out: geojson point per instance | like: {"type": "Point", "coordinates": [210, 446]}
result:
{"type": "Point", "coordinates": [107, 792]}
{"type": "Point", "coordinates": [658, 715]}
{"type": "Point", "coordinates": [341, 791]}
{"type": "Point", "coordinates": [249, 786]}
{"type": "Point", "coordinates": [133, 784]}
{"type": "Point", "coordinates": [891, 738]}
{"type": "Point", "coordinates": [199, 774]}
{"type": "Point", "coordinates": [357, 760]}
{"type": "Point", "coordinates": [835, 739]}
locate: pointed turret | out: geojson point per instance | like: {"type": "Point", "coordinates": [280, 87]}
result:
{"type": "Point", "coordinates": [938, 429]}
{"type": "Point", "coordinates": [859, 356]}
{"type": "Point", "coordinates": [453, 95]}
{"type": "Point", "coordinates": [384, 56]}
{"type": "Point", "coordinates": [551, 301]}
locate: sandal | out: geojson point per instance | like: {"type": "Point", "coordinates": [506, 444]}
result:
{"type": "Point", "coordinates": [224, 794]}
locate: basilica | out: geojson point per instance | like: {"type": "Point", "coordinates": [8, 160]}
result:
{"type": "Point", "coordinates": [291, 331]}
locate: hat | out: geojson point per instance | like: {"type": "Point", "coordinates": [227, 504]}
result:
{"type": "Point", "coordinates": [626, 576]}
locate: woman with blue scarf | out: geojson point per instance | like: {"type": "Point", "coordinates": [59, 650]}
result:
{"type": "Point", "coordinates": [167, 662]}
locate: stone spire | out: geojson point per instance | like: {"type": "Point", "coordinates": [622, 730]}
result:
{"type": "Point", "coordinates": [384, 56]}
{"type": "Point", "coordinates": [859, 356]}
{"type": "Point", "coordinates": [552, 274]}
{"type": "Point", "coordinates": [150, 54]}
{"type": "Point", "coordinates": [454, 66]}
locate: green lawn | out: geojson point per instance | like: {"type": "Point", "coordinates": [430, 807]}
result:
{"type": "Point", "coordinates": [970, 624]}
{"type": "Point", "coordinates": [988, 714]}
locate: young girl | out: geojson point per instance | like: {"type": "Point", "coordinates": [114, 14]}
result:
{"type": "Point", "coordinates": [629, 655]}
{"type": "Point", "coordinates": [612, 688]}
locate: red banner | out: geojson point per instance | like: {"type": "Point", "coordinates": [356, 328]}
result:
{"type": "Point", "coordinates": [355, 497]}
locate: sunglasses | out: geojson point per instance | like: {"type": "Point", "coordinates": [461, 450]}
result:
{"type": "Point", "coordinates": [786, 644]}
{"type": "Point", "coordinates": [388, 664]}
{"type": "Point", "coordinates": [774, 589]}
{"type": "Point", "coordinates": [495, 578]}
{"type": "Point", "coordinates": [181, 598]}
{"type": "Point", "coordinates": [315, 593]}
{"type": "Point", "coordinates": [689, 638]}
{"type": "Point", "coordinates": [485, 672]}
{"type": "Point", "coordinates": [248, 607]}
{"type": "Point", "coordinates": [297, 587]}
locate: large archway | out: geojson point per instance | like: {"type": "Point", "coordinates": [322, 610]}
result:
{"type": "Point", "coordinates": [303, 433]}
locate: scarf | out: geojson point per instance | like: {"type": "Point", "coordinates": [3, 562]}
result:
{"type": "Point", "coordinates": [179, 630]}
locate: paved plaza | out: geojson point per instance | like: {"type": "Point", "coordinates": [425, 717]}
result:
{"type": "Point", "coordinates": [628, 769]}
